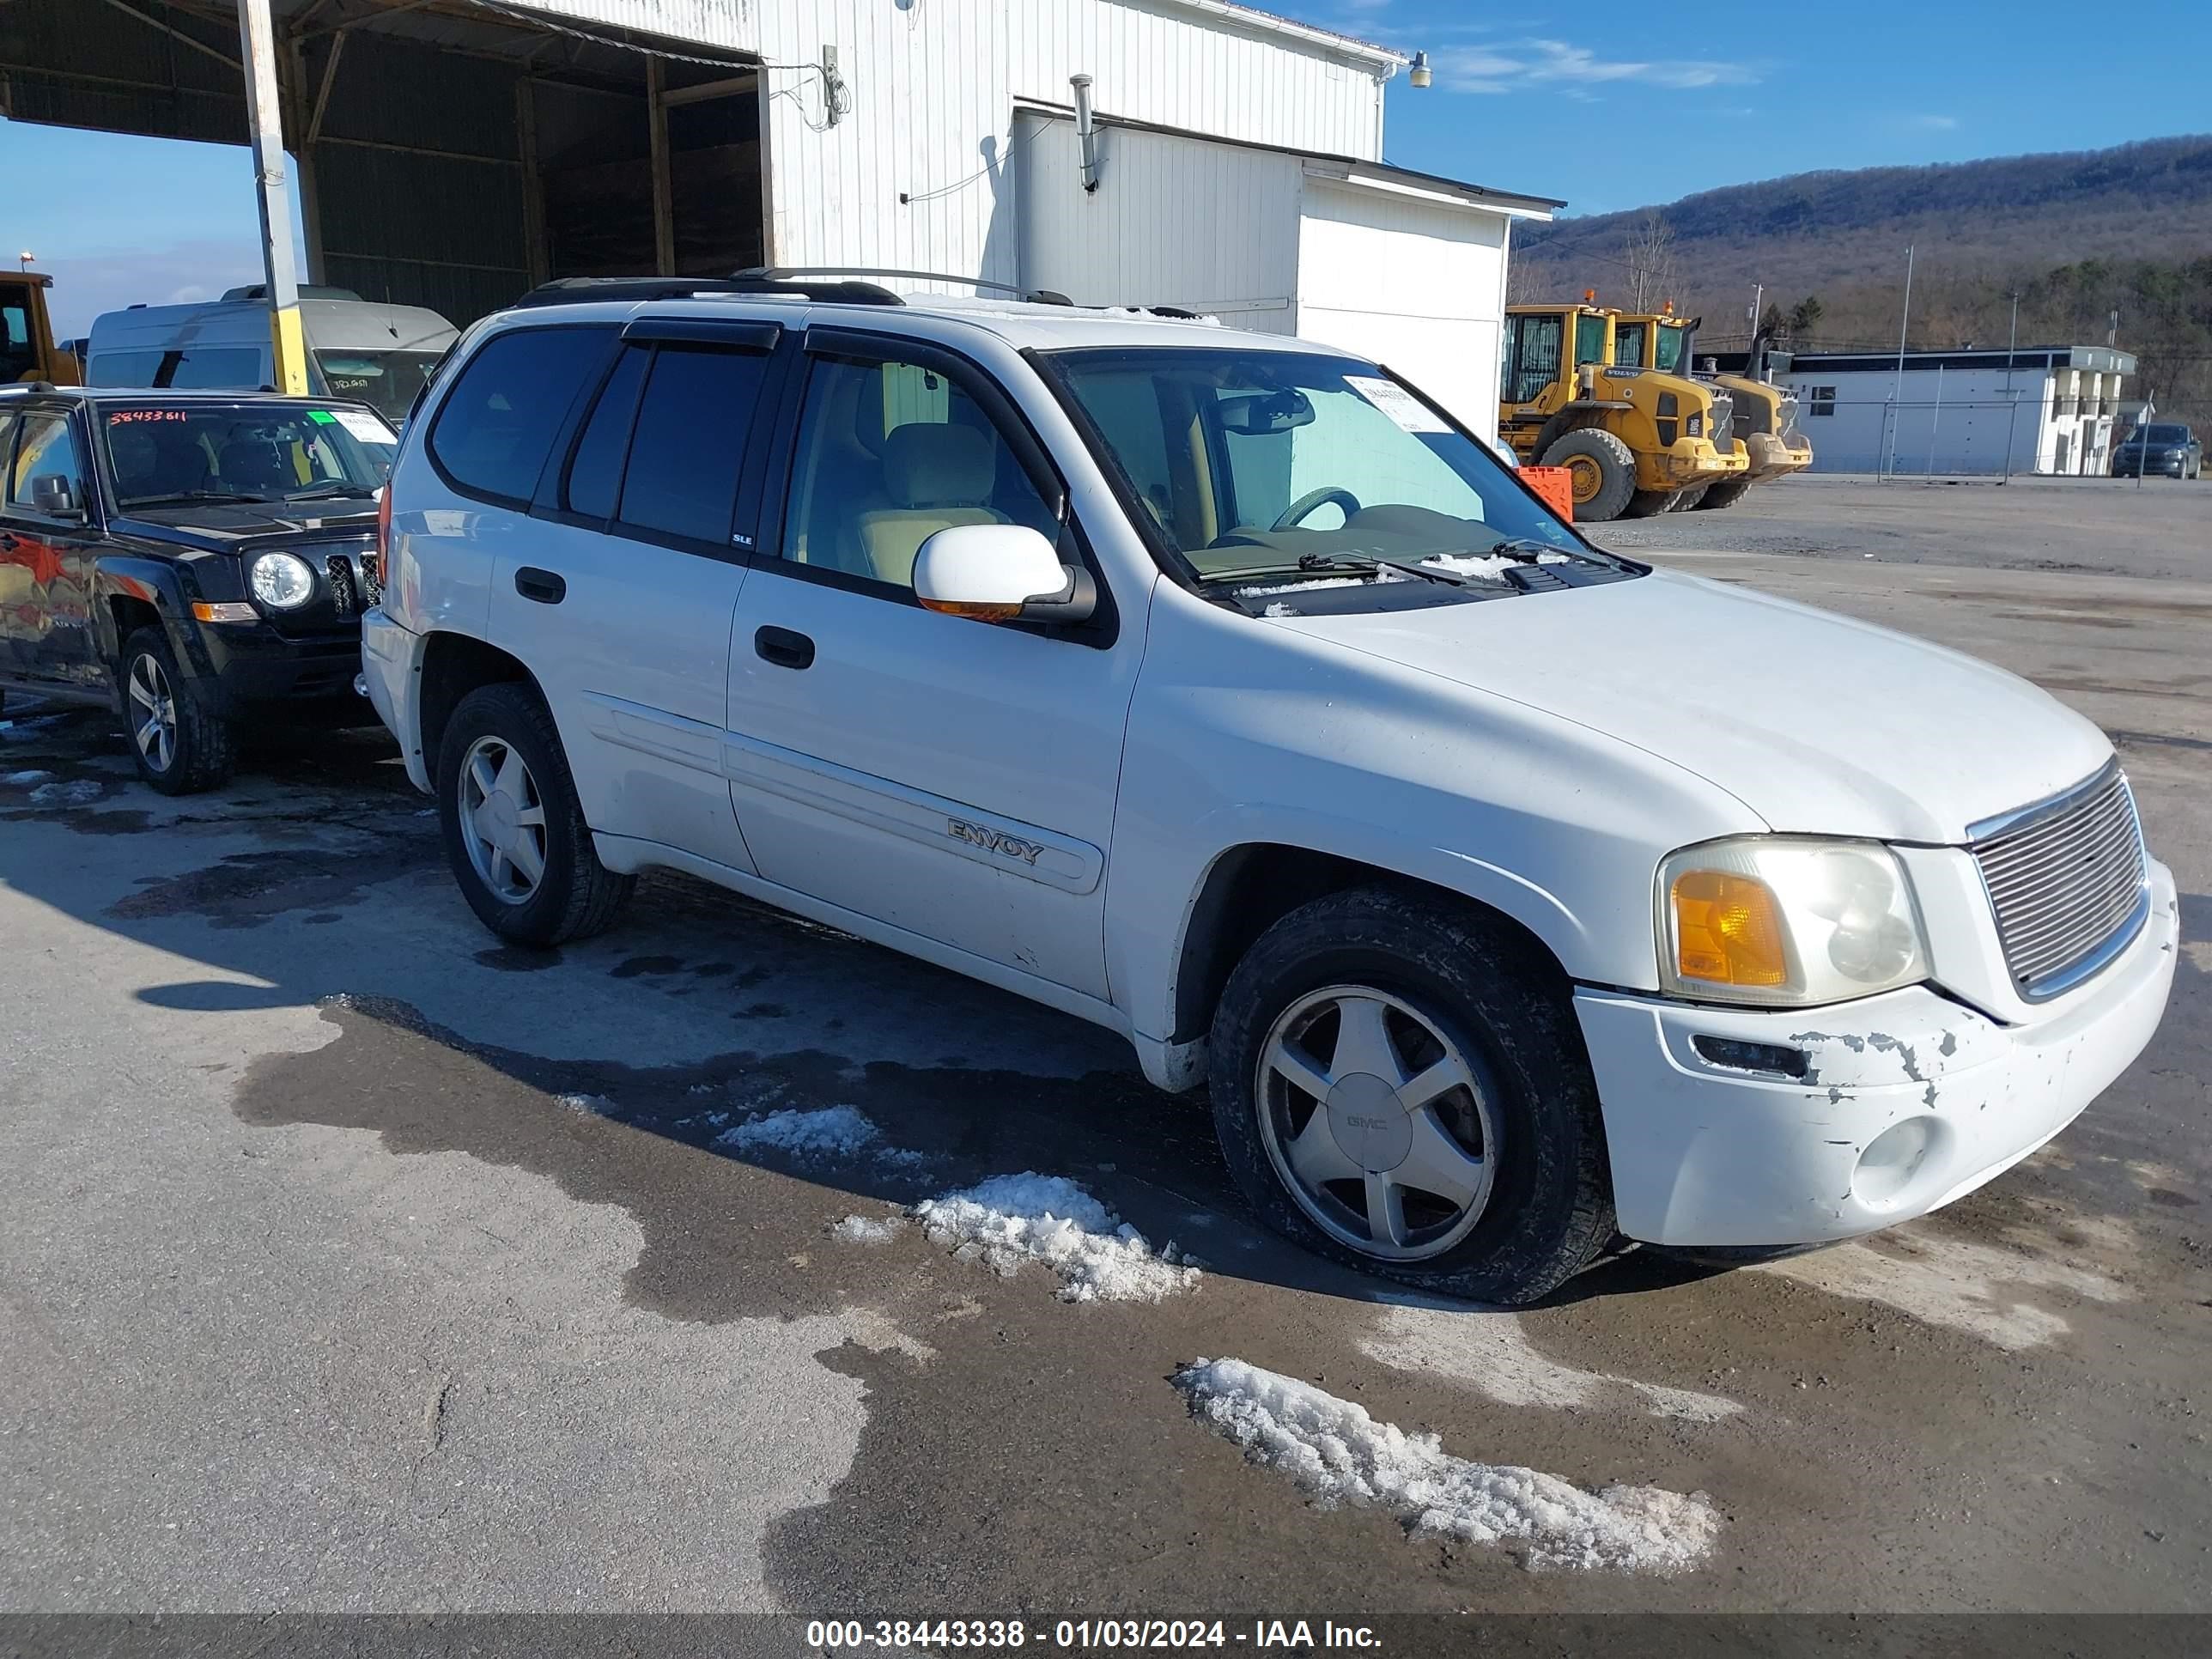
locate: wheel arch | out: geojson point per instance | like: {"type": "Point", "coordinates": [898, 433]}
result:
{"type": "Point", "coordinates": [454, 665]}
{"type": "Point", "coordinates": [1248, 887]}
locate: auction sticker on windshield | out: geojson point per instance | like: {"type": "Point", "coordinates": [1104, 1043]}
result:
{"type": "Point", "coordinates": [1400, 405]}
{"type": "Point", "coordinates": [361, 424]}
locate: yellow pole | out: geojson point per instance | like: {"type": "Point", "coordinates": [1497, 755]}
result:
{"type": "Point", "coordinates": [258, 38]}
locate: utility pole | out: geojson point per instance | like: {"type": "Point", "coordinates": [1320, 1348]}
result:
{"type": "Point", "coordinates": [2012, 403]}
{"type": "Point", "coordinates": [257, 33]}
{"type": "Point", "coordinates": [1897, 393]}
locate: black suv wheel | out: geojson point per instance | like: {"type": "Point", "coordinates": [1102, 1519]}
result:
{"type": "Point", "coordinates": [514, 834]}
{"type": "Point", "coordinates": [181, 745]}
{"type": "Point", "coordinates": [1398, 1085]}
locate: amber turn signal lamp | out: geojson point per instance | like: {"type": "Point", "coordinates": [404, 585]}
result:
{"type": "Point", "coordinates": [973, 612]}
{"type": "Point", "coordinates": [1728, 930]}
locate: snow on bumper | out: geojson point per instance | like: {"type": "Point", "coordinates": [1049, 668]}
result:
{"type": "Point", "coordinates": [392, 663]}
{"type": "Point", "coordinates": [1909, 1100]}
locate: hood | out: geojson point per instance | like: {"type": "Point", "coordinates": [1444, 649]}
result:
{"type": "Point", "coordinates": [1819, 723]}
{"type": "Point", "coordinates": [236, 526]}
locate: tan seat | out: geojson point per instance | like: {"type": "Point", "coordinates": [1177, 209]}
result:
{"type": "Point", "coordinates": [936, 476]}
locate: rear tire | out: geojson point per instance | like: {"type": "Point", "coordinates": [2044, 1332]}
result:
{"type": "Point", "coordinates": [1689, 498]}
{"type": "Point", "coordinates": [1649, 503]}
{"type": "Point", "coordinates": [514, 833]}
{"type": "Point", "coordinates": [180, 744]}
{"type": "Point", "coordinates": [1494, 1187]}
{"type": "Point", "coordinates": [1603, 470]}
{"type": "Point", "coordinates": [1726, 493]}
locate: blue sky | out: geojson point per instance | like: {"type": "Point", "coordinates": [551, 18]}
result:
{"type": "Point", "coordinates": [1572, 103]}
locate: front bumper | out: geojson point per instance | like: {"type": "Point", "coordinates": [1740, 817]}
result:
{"type": "Point", "coordinates": [252, 670]}
{"type": "Point", "coordinates": [1911, 1100]}
{"type": "Point", "coordinates": [1692, 461]}
{"type": "Point", "coordinates": [2128, 466]}
{"type": "Point", "coordinates": [391, 664]}
{"type": "Point", "coordinates": [1774, 456]}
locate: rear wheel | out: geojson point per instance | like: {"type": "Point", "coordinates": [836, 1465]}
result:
{"type": "Point", "coordinates": [514, 833]}
{"type": "Point", "coordinates": [1726, 493]}
{"type": "Point", "coordinates": [180, 745]}
{"type": "Point", "coordinates": [1400, 1086]}
{"type": "Point", "coordinates": [1600, 471]}
{"type": "Point", "coordinates": [1689, 498]}
{"type": "Point", "coordinates": [1648, 503]}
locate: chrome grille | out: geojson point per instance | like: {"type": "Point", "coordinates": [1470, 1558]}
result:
{"type": "Point", "coordinates": [2067, 880]}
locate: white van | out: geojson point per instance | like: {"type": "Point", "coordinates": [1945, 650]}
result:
{"type": "Point", "coordinates": [359, 348]}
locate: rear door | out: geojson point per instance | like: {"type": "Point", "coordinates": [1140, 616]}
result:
{"type": "Point", "coordinates": [620, 596]}
{"type": "Point", "coordinates": [45, 596]}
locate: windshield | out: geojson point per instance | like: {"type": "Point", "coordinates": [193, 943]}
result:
{"type": "Point", "coordinates": [244, 452]}
{"type": "Point", "coordinates": [1254, 459]}
{"type": "Point", "coordinates": [387, 379]}
{"type": "Point", "coordinates": [1673, 337]}
{"type": "Point", "coordinates": [2160, 435]}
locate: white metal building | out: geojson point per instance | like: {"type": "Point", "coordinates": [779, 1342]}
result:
{"type": "Point", "coordinates": [452, 152]}
{"type": "Point", "coordinates": [2040, 409]}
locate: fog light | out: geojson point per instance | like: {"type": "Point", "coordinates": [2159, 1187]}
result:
{"type": "Point", "coordinates": [1771, 1058]}
{"type": "Point", "coordinates": [1888, 1164]}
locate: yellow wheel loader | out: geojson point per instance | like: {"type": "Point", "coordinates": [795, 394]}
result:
{"type": "Point", "coordinates": [27, 351]}
{"type": "Point", "coordinates": [1631, 439]}
{"type": "Point", "coordinates": [1764, 418]}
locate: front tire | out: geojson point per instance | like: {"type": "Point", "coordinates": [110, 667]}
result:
{"type": "Point", "coordinates": [1602, 469]}
{"type": "Point", "coordinates": [180, 744]}
{"type": "Point", "coordinates": [514, 833]}
{"type": "Point", "coordinates": [1726, 493]}
{"type": "Point", "coordinates": [1400, 1085]}
{"type": "Point", "coordinates": [1649, 503]}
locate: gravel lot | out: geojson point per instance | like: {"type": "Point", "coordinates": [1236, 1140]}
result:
{"type": "Point", "coordinates": [354, 1263]}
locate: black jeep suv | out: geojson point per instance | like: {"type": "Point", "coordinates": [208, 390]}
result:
{"type": "Point", "coordinates": [192, 559]}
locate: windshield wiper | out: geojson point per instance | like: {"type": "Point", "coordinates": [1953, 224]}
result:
{"type": "Point", "coordinates": [1371, 562]}
{"type": "Point", "coordinates": [216, 496]}
{"type": "Point", "coordinates": [331, 492]}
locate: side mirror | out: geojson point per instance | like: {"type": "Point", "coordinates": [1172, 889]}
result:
{"type": "Point", "coordinates": [1000, 573]}
{"type": "Point", "coordinates": [51, 495]}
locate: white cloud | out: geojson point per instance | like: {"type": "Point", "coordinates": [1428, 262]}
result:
{"type": "Point", "coordinates": [1555, 63]}
{"type": "Point", "coordinates": [1932, 122]}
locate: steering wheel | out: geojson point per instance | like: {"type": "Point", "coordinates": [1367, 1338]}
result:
{"type": "Point", "coordinates": [1314, 498]}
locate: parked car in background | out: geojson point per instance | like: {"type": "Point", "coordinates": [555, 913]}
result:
{"type": "Point", "coordinates": [358, 350]}
{"type": "Point", "coordinates": [2163, 447]}
{"type": "Point", "coordinates": [1224, 690]}
{"type": "Point", "coordinates": [197, 561]}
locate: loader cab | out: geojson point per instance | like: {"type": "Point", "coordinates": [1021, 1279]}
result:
{"type": "Point", "coordinates": [1539, 339]}
{"type": "Point", "coordinates": [27, 351]}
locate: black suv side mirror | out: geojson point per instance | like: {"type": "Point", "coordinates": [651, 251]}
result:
{"type": "Point", "coordinates": [53, 495]}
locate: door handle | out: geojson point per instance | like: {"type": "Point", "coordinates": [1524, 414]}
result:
{"type": "Point", "coordinates": [785, 648]}
{"type": "Point", "coordinates": [541, 586]}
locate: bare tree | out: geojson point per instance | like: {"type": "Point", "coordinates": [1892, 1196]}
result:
{"type": "Point", "coordinates": [1649, 253]}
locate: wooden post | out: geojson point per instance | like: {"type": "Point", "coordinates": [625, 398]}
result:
{"type": "Point", "coordinates": [663, 206]}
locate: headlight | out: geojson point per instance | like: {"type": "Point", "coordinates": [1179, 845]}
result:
{"type": "Point", "coordinates": [282, 582]}
{"type": "Point", "coordinates": [1787, 922]}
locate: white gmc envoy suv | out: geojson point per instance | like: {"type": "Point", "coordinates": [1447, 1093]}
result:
{"type": "Point", "coordinates": [1222, 688]}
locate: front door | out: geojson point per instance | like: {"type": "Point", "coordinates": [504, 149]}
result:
{"type": "Point", "coordinates": [47, 543]}
{"type": "Point", "coordinates": [950, 778]}
{"type": "Point", "coordinates": [620, 593]}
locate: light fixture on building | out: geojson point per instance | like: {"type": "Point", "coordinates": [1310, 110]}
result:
{"type": "Point", "coordinates": [1422, 75]}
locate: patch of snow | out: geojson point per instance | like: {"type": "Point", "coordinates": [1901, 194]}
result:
{"type": "Point", "coordinates": [1338, 1453]}
{"type": "Point", "coordinates": [1495, 565]}
{"type": "Point", "coordinates": [82, 792]}
{"type": "Point", "coordinates": [1489, 1350]}
{"type": "Point", "coordinates": [1970, 1287]}
{"type": "Point", "coordinates": [1280, 610]}
{"type": "Point", "coordinates": [828, 1131]}
{"type": "Point", "coordinates": [25, 780]}
{"type": "Point", "coordinates": [1011, 1220]}
{"type": "Point", "coordinates": [590, 1105]}
{"type": "Point", "coordinates": [1255, 592]}
{"type": "Point", "coordinates": [867, 1229]}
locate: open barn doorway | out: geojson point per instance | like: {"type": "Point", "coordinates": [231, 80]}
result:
{"type": "Point", "coordinates": [449, 154]}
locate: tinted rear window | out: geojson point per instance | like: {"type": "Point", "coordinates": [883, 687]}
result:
{"type": "Point", "coordinates": [596, 472]}
{"type": "Point", "coordinates": [497, 426]}
{"type": "Point", "coordinates": [686, 454]}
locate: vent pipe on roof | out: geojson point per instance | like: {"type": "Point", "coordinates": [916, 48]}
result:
{"type": "Point", "coordinates": [1086, 132]}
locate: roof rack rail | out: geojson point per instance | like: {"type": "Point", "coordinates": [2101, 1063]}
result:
{"type": "Point", "coordinates": [1041, 296]}
{"type": "Point", "coordinates": [587, 290]}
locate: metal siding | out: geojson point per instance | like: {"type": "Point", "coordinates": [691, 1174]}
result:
{"type": "Point", "coordinates": [1411, 283]}
{"type": "Point", "coordinates": [1174, 222]}
{"type": "Point", "coordinates": [70, 63]}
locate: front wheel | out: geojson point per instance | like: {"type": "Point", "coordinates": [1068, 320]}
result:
{"type": "Point", "coordinates": [180, 745]}
{"type": "Point", "coordinates": [514, 833]}
{"type": "Point", "coordinates": [1726, 493]}
{"type": "Point", "coordinates": [1401, 1085]}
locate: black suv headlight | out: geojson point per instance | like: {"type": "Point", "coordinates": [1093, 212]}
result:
{"type": "Point", "coordinates": [283, 581]}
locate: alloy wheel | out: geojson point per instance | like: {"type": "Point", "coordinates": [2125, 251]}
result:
{"type": "Point", "coordinates": [503, 820]}
{"type": "Point", "coordinates": [153, 713]}
{"type": "Point", "coordinates": [1379, 1124]}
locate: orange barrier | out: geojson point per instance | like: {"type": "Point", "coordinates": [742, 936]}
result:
{"type": "Point", "coordinates": [1555, 484]}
